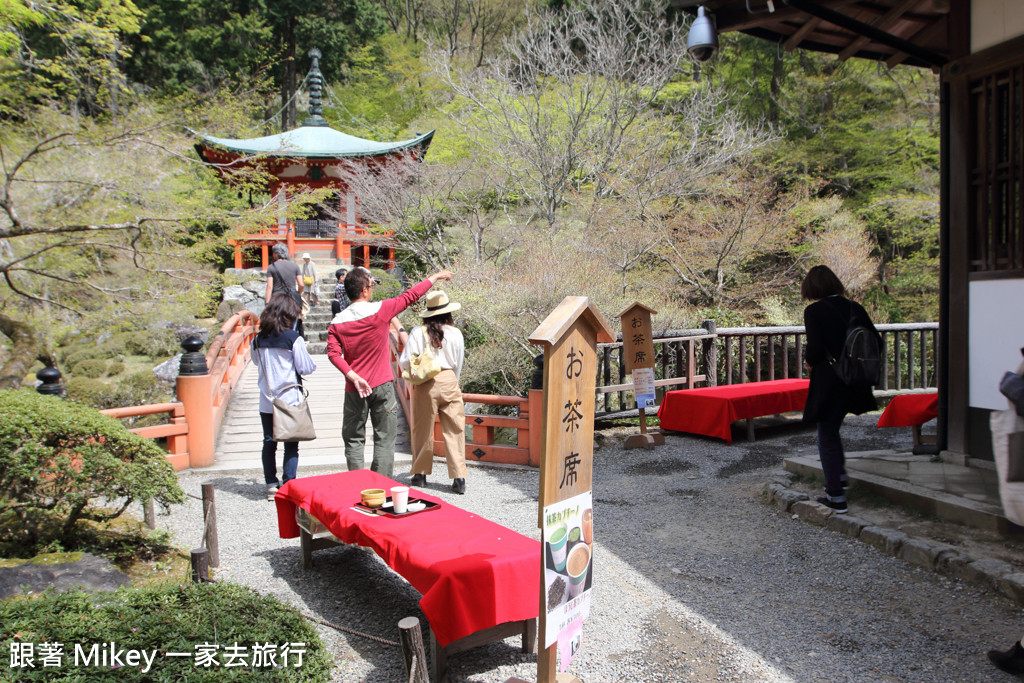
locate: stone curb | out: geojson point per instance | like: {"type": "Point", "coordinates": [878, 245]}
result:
{"type": "Point", "coordinates": [986, 572]}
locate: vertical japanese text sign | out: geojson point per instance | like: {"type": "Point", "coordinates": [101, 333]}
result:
{"type": "Point", "coordinates": [637, 337]}
{"type": "Point", "coordinates": [569, 336]}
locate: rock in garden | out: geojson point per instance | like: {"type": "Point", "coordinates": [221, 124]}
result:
{"type": "Point", "coordinates": [188, 329]}
{"type": "Point", "coordinates": [89, 573]}
{"type": "Point", "coordinates": [237, 292]}
{"type": "Point", "coordinates": [168, 370]}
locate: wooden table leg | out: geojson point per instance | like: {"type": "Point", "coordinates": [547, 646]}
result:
{"type": "Point", "coordinates": [750, 429]}
{"type": "Point", "coordinates": [530, 636]}
{"type": "Point", "coordinates": [438, 661]}
{"type": "Point", "coordinates": [306, 548]}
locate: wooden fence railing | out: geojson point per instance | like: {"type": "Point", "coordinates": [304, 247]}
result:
{"type": "Point", "coordinates": [735, 355]}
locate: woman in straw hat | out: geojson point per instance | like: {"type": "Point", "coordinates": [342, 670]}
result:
{"type": "Point", "coordinates": [440, 395]}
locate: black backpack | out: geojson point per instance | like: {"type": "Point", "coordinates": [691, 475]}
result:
{"type": "Point", "coordinates": [860, 361]}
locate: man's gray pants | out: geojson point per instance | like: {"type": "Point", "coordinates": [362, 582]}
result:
{"type": "Point", "coordinates": [382, 407]}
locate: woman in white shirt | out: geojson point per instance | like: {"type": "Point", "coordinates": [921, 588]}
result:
{"type": "Point", "coordinates": [440, 395]}
{"type": "Point", "coordinates": [281, 357]}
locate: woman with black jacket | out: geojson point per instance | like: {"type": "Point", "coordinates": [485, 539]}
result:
{"type": "Point", "coordinates": [828, 398]}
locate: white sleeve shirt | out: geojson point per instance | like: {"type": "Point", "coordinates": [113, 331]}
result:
{"type": "Point", "coordinates": [281, 367]}
{"type": "Point", "coordinates": [450, 356]}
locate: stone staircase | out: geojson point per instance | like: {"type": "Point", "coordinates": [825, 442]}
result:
{"type": "Point", "coordinates": [319, 317]}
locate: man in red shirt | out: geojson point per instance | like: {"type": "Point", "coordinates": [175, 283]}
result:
{"type": "Point", "coordinates": [357, 344]}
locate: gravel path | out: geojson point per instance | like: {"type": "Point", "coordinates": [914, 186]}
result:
{"type": "Point", "coordinates": [695, 579]}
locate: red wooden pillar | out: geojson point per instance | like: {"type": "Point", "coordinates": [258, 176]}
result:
{"type": "Point", "coordinates": [339, 244]}
{"type": "Point", "coordinates": [238, 255]}
{"type": "Point", "coordinates": [290, 240]}
{"type": "Point", "coordinates": [264, 256]}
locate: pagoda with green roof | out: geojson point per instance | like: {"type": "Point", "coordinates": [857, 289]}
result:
{"type": "Point", "coordinates": [313, 155]}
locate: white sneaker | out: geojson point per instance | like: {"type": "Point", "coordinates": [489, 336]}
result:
{"type": "Point", "coordinates": [271, 492]}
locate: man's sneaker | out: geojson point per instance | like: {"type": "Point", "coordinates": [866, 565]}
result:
{"type": "Point", "coordinates": [840, 508]}
{"type": "Point", "coordinates": [418, 480]}
{"type": "Point", "coordinates": [271, 492]}
{"type": "Point", "coordinates": [1011, 661]}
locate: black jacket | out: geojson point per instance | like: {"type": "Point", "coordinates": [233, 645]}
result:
{"type": "Point", "coordinates": [826, 322]}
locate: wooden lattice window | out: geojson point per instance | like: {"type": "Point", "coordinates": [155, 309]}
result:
{"type": "Point", "coordinates": [996, 240]}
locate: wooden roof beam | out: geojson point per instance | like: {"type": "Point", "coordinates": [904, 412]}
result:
{"type": "Point", "coordinates": [925, 34]}
{"type": "Point", "coordinates": [727, 19]}
{"type": "Point", "coordinates": [882, 22]}
{"type": "Point", "coordinates": [872, 33]}
{"type": "Point", "coordinates": [794, 40]}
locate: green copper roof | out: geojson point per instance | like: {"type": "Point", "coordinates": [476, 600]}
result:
{"type": "Point", "coordinates": [314, 142]}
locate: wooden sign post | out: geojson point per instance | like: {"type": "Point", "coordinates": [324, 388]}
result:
{"type": "Point", "coordinates": [569, 336]}
{"type": "Point", "coordinates": [638, 359]}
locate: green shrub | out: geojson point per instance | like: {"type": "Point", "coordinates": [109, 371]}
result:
{"type": "Point", "coordinates": [389, 286]}
{"type": "Point", "coordinates": [116, 367]}
{"type": "Point", "coordinates": [166, 619]}
{"type": "Point", "coordinates": [57, 456]}
{"type": "Point", "coordinates": [142, 388]}
{"type": "Point", "coordinates": [91, 368]}
{"type": "Point", "coordinates": [159, 343]}
{"type": "Point", "coordinates": [90, 392]}
{"type": "Point", "coordinates": [82, 351]}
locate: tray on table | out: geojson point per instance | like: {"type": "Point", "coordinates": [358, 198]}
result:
{"type": "Point", "coordinates": [386, 510]}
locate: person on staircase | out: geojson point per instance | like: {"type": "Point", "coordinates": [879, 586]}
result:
{"type": "Point", "coordinates": [340, 302]}
{"type": "Point", "coordinates": [439, 395]}
{"type": "Point", "coordinates": [357, 344]}
{"type": "Point", "coordinates": [281, 359]}
{"type": "Point", "coordinates": [284, 277]}
{"type": "Point", "coordinates": [310, 281]}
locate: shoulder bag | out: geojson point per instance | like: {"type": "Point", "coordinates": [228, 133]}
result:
{"type": "Point", "coordinates": [423, 366]}
{"type": "Point", "coordinates": [291, 423]}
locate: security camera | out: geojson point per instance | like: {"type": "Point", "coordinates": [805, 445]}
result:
{"type": "Point", "coordinates": [702, 42]}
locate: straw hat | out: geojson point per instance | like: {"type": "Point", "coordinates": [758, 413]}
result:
{"type": "Point", "coordinates": [438, 304]}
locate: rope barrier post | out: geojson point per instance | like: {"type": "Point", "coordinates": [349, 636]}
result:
{"type": "Point", "coordinates": [149, 513]}
{"type": "Point", "coordinates": [210, 525]}
{"type": "Point", "coordinates": [412, 650]}
{"type": "Point", "coordinates": [200, 565]}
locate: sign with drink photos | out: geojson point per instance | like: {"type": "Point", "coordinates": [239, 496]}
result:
{"type": "Point", "coordinates": [569, 336]}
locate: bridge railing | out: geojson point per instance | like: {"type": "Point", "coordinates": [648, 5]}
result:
{"type": "Point", "coordinates": [175, 430]}
{"type": "Point", "coordinates": [193, 421]}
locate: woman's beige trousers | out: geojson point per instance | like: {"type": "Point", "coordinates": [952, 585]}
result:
{"type": "Point", "coordinates": [439, 396]}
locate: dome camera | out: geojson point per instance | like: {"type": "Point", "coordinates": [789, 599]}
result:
{"type": "Point", "coordinates": [702, 41]}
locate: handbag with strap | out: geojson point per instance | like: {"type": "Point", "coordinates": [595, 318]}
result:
{"type": "Point", "coordinates": [307, 280]}
{"type": "Point", "coordinates": [423, 366]}
{"type": "Point", "coordinates": [291, 423]}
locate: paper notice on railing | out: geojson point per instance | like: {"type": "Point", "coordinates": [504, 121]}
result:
{"type": "Point", "coordinates": [643, 387]}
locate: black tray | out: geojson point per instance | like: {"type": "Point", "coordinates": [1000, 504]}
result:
{"type": "Point", "coordinates": [389, 512]}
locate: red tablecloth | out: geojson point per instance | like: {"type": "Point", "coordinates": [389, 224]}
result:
{"type": "Point", "coordinates": [472, 572]}
{"type": "Point", "coordinates": [710, 410]}
{"type": "Point", "coordinates": [909, 410]}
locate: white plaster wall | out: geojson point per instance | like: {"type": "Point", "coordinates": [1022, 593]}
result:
{"type": "Point", "coordinates": [994, 21]}
{"type": "Point", "coordinates": [995, 337]}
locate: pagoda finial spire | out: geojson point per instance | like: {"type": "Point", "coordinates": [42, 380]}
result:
{"type": "Point", "coordinates": [316, 83]}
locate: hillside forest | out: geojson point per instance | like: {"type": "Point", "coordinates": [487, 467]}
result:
{"type": "Point", "coordinates": [579, 151]}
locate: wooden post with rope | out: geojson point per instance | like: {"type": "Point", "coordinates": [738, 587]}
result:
{"type": "Point", "coordinates": [210, 525]}
{"type": "Point", "coordinates": [412, 650]}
